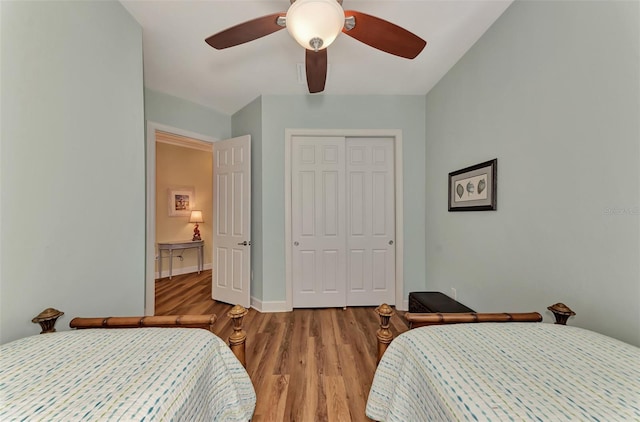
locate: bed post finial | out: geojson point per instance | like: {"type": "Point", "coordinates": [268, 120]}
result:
{"type": "Point", "coordinates": [47, 320]}
{"type": "Point", "coordinates": [238, 338]}
{"type": "Point", "coordinates": [562, 312]}
{"type": "Point", "coordinates": [383, 334]}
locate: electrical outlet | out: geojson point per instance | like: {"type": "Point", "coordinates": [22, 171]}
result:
{"type": "Point", "coordinates": [454, 293]}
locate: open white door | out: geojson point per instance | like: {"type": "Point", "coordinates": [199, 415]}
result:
{"type": "Point", "coordinates": [231, 274]}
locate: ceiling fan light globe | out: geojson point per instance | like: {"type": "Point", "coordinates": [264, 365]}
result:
{"type": "Point", "coordinates": [309, 19]}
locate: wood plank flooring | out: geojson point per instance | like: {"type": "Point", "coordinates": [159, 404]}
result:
{"type": "Point", "coordinates": [305, 365]}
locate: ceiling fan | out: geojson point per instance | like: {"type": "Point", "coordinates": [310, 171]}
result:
{"type": "Point", "coordinates": [315, 24]}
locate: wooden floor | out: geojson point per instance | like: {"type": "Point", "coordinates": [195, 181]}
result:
{"type": "Point", "coordinates": [306, 365]}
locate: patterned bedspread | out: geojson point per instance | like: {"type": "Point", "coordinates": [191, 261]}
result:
{"type": "Point", "coordinates": [506, 372]}
{"type": "Point", "coordinates": [148, 374]}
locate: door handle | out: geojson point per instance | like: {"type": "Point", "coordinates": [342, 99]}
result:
{"type": "Point", "coordinates": [245, 243]}
{"type": "Point", "coordinates": [391, 242]}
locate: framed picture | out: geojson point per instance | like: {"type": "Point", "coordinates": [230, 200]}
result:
{"type": "Point", "coordinates": [474, 188]}
{"type": "Point", "coordinates": [181, 202]}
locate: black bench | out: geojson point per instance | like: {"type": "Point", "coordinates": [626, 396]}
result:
{"type": "Point", "coordinates": [434, 302]}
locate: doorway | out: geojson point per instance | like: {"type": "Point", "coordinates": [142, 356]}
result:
{"type": "Point", "coordinates": [336, 183]}
{"type": "Point", "coordinates": [176, 137]}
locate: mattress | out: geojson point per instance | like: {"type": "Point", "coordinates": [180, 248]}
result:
{"type": "Point", "coordinates": [146, 374]}
{"type": "Point", "coordinates": [505, 372]}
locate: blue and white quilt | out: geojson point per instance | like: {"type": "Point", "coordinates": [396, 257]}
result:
{"type": "Point", "coordinates": [146, 374]}
{"type": "Point", "coordinates": [506, 372]}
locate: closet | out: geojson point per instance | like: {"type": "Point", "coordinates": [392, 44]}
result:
{"type": "Point", "coordinates": [342, 221]}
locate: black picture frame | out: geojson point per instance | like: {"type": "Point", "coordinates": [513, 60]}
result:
{"type": "Point", "coordinates": [474, 188]}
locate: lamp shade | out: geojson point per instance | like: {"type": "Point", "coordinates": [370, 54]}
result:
{"type": "Point", "coordinates": [309, 20]}
{"type": "Point", "coordinates": [196, 217]}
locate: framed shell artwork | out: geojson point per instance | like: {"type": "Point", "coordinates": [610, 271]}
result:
{"type": "Point", "coordinates": [474, 188]}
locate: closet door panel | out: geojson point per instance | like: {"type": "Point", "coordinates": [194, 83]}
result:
{"type": "Point", "coordinates": [318, 222]}
{"type": "Point", "coordinates": [371, 221]}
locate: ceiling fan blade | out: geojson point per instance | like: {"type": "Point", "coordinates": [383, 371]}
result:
{"type": "Point", "coordinates": [384, 36]}
{"type": "Point", "coordinates": [246, 31]}
{"type": "Point", "coordinates": [316, 66]}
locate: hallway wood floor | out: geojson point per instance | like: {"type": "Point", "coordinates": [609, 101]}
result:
{"type": "Point", "coordinates": [307, 365]}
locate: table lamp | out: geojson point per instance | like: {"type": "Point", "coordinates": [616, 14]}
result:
{"type": "Point", "coordinates": [196, 217]}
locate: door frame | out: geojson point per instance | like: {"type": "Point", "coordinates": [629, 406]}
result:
{"type": "Point", "coordinates": [150, 253]}
{"type": "Point", "coordinates": [396, 134]}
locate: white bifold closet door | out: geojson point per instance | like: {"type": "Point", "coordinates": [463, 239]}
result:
{"type": "Point", "coordinates": [343, 221]}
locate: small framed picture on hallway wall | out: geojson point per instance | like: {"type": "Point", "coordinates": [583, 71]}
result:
{"type": "Point", "coordinates": [181, 201]}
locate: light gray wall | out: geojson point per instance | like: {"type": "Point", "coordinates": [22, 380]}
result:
{"type": "Point", "coordinates": [186, 115]}
{"type": "Point", "coordinates": [552, 91]}
{"type": "Point", "coordinates": [248, 121]}
{"type": "Point", "coordinates": [72, 163]}
{"type": "Point", "coordinates": [406, 113]}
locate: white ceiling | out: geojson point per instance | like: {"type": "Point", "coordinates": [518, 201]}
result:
{"type": "Point", "coordinates": [178, 62]}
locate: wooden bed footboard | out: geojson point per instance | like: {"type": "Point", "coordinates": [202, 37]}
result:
{"type": "Point", "coordinates": [385, 312]}
{"type": "Point", "coordinates": [237, 340]}
{"type": "Point", "coordinates": [421, 320]}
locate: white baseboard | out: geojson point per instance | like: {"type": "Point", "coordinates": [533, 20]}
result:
{"type": "Point", "coordinates": [184, 270]}
{"type": "Point", "coordinates": [405, 306]}
{"type": "Point", "coordinates": [281, 306]}
{"type": "Point", "coordinates": [269, 306]}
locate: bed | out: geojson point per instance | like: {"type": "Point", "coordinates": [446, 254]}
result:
{"type": "Point", "coordinates": [455, 369]}
{"type": "Point", "coordinates": [141, 368]}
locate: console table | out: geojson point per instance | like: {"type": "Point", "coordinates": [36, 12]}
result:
{"type": "Point", "coordinates": [180, 245]}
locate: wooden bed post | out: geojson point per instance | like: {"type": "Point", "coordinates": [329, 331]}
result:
{"type": "Point", "coordinates": [383, 334]}
{"type": "Point", "coordinates": [238, 338]}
